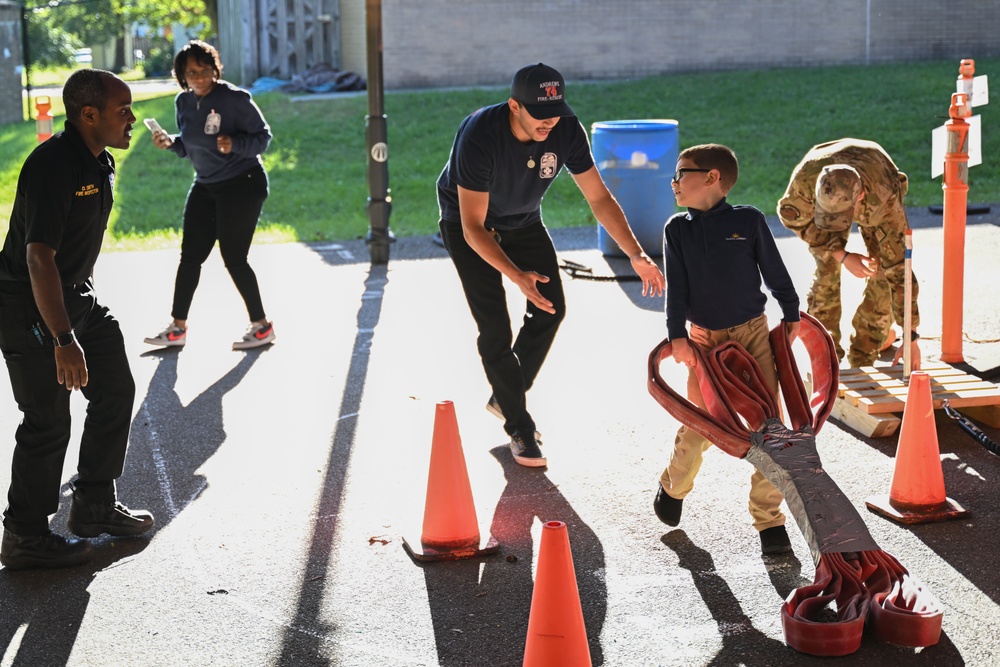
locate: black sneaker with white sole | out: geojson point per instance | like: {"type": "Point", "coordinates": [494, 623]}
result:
{"type": "Point", "coordinates": [525, 450]}
{"type": "Point", "coordinates": [493, 408]}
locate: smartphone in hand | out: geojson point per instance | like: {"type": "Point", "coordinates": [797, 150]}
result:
{"type": "Point", "coordinates": [154, 128]}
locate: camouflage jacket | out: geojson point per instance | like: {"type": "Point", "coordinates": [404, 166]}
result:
{"type": "Point", "coordinates": [882, 219]}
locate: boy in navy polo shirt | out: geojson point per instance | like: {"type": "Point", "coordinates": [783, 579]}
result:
{"type": "Point", "coordinates": [715, 256]}
{"type": "Point", "coordinates": [504, 158]}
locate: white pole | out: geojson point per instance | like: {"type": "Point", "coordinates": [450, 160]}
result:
{"type": "Point", "coordinates": [907, 303]}
{"type": "Point", "coordinates": [868, 32]}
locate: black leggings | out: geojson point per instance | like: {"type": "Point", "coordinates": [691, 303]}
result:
{"type": "Point", "coordinates": [226, 212]}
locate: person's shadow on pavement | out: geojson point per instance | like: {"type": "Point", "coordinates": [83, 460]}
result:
{"type": "Point", "coordinates": [170, 441]}
{"type": "Point", "coordinates": [167, 444]}
{"type": "Point", "coordinates": [48, 606]}
{"type": "Point", "coordinates": [482, 618]}
{"type": "Point", "coordinates": [742, 643]}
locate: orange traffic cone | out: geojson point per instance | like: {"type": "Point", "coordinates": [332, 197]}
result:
{"type": "Point", "coordinates": [917, 492]}
{"type": "Point", "coordinates": [450, 530]}
{"type": "Point", "coordinates": [556, 632]}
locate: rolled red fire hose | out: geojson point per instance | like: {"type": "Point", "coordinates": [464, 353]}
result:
{"type": "Point", "coordinates": [853, 575]}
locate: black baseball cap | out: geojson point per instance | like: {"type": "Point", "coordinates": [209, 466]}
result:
{"type": "Point", "coordinates": [539, 88]}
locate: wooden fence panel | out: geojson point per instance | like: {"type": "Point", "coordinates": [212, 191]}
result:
{"type": "Point", "coordinates": [294, 35]}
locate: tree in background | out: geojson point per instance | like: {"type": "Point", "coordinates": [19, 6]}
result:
{"type": "Point", "coordinates": [55, 29]}
{"type": "Point", "coordinates": [49, 45]}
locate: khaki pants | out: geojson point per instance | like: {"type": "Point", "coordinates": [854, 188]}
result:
{"type": "Point", "coordinates": [689, 446]}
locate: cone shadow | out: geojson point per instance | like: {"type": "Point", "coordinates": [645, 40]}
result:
{"type": "Point", "coordinates": [480, 608]}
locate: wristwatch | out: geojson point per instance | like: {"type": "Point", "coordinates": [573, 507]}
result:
{"type": "Point", "coordinates": [64, 339]}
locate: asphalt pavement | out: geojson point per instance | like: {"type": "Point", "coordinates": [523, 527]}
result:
{"type": "Point", "coordinates": [284, 479]}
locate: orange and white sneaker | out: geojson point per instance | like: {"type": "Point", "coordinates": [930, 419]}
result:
{"type": "Point", "coordinates": [172, 336]}
{"type": "Point", "coordinates": [257, 335]}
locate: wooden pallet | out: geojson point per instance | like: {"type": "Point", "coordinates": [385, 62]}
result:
{"type": "Point", "coordinates": [871, 399]}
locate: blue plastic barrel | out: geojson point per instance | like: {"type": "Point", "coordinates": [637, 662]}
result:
{"type": "Point", "coordinates": [636, 159]}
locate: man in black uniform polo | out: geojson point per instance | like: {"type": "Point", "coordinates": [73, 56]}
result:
{"type": "Point", "coordinates": [55, 336]}
{"type": "Point", "coordinates": [503, 160]}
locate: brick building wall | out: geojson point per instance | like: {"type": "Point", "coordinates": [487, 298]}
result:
{"type": "Point", "coordinates": [443, 43]}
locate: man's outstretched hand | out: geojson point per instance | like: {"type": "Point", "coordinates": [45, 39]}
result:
{"type": "Point", "coordinates": [652, 280]}
{"type": "Point", "coordinates": [527, 282]}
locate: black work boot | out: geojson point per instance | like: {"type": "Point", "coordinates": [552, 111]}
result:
{"type": "Point", "coordinates": [23, 552]}
{"type": "Point", "coordinates": [774, 541]}
{"type": "Point", "coordinates": [90, 519]}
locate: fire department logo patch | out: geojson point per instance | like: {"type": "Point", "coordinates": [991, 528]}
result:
{"type": "Point", "coordinates": [549, 165]}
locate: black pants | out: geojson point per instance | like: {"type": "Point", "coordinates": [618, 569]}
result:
{"type": "Point", "coordinates": [226, 212]}
{"type": "Point", "coordinates": [511, 365]}
{"type": "Point", "coordinates": [43, 435]}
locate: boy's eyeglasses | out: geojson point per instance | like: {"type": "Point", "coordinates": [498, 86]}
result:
{"type": "Point", "coordinates": [199, 74]}
{"type": "Point", "coordinates": [679, 174]}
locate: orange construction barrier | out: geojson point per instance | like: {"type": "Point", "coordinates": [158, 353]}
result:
{"type": "Point", "coordinates": [43, 119]}
{"type": "Point", "coordinates": [966, 72]}
{"type": "Point", "coordinates": [451, 530]}
{"type": "Point", "coordinates": [557, 636]}
{"type": "Point", "coordinates": [956, 195]}
{"type": "Point", "coordinates": [917, 494]}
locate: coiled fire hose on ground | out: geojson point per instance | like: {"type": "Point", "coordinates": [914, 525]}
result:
{"type": "Point", "coordinates": [852, 573]}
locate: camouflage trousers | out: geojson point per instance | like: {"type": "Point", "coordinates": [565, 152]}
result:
{"type": "Point", "coordinates": [872, 319]}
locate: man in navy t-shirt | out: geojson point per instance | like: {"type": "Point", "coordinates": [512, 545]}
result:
{"type": "Point", "coordinates": [504, 158]}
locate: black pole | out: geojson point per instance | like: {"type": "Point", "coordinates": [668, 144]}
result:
{"type": "Point", "coordinates": [379, 202]}
{"type": "Point", "coordinates": [27, 58]}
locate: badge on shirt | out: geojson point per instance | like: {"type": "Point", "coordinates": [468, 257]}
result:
{"type": "Point", "coordinates": [212, 123]}
{"type": "Point", "coordinates": [549, 165]}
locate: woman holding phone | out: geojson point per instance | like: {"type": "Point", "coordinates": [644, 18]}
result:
{"type": "Point", "coordinates": [223, 133]}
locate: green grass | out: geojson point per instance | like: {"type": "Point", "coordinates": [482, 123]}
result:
{"type": "Point", "coordinates": [56, 76]}
{"type": "Point", "coordinates": [317, 161]}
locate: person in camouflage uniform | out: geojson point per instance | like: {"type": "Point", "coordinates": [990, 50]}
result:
{"type": "Point", "coordinates": [835, 184]}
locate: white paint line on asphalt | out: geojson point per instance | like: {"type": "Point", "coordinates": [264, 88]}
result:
{"type": "Point", "coordinates": [161, 467]}
{"type": "Point", "coordinates": [969, 470]}
{"type": "Point", "coordinates": [13, 646]}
